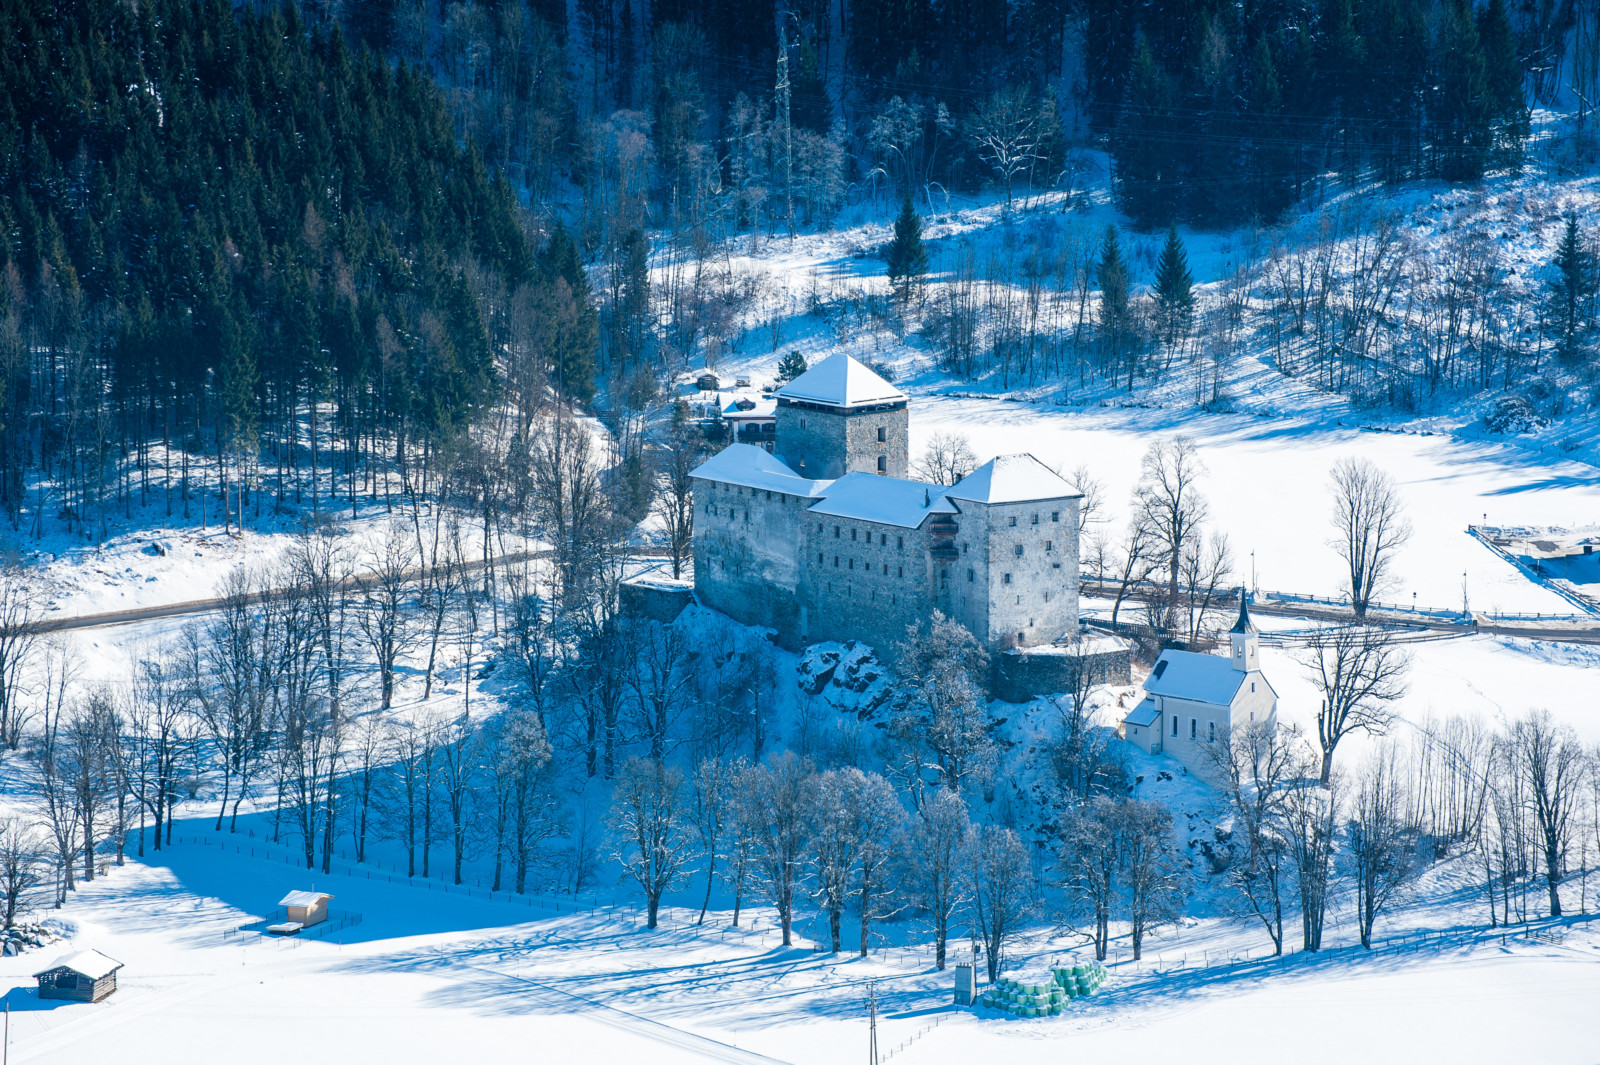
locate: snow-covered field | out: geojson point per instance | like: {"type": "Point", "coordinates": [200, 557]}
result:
{"type": "Point", "coordinates": [430, 976]}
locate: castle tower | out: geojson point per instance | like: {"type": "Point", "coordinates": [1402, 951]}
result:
{"type": "Point", "coordinates": [839, 417]}
{"type": "Point", "coordinates": [1246, 642]}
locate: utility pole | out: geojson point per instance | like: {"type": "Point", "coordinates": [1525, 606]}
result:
{"type": "Point", "coordinates": [785, 126]}
{"type": "Point", "coordinates": [872, 1031]}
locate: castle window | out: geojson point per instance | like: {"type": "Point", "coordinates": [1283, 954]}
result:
{"type": "Point", "coordinates": [835, 561]}
{"type": "Point", "coordinates": [1019, 550]}
{"type": "Point", "coordinates": [852, 563]}
{"type": "Point", "coordinates": [819, 558]}
{"type": "Point", "coordinates": [971, 576]}
{"type": "Point", "coordinates": [963, 547]}
{"type": "Point", "coordinates": [883, 464]}
{"type": "Point", "coordinates": [836, 532]}
{"type": "Point", "coordinates": [1252, 687]}
{"type": "Point", "coordinates": [853, 534]}
{"type": "Point", "coordinates": [886, 569]}
{"type": "Point", "coordinates": [900, 542]}
{"type": "Point", "coordinates": [1049, 545]}
{"type": "Point", "coordinates": [883, 539]}
{"type": "Point", "coordinates": [1194, 728]}
{"type": "Point", "coordinates": [1211, 732]}
{"type": "Point", "coordinates": [883, 434]}
{"type": "Point", "coordinates": [1035, 519]}
{"type": "Point", "coordinates": [1055, 515]}
{"type": "Point", "coordinates": [1013, 521]}
{"type": "Point", "coordinates": [1174, 728]}
{"type": "Point", "coordinates": [902, 571]}
{"type": "Point", "coordinates": [1005, 578]}
{"type": "Point", "coordinates": [1047, 595]}
{"type": "Point", "coordinates": [819, 526]}
{"type": "Point", "coordinates": [1021, 636]}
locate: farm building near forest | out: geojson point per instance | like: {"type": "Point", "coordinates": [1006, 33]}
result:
{"type": "Point", "coordinates": [1193, 700]}
{"type": "Point", "coordinates": [86, 976]}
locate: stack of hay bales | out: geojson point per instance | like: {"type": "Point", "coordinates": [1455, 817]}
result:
{"type": "Point", "coordinates": [1080, 981]}
{"type": "Point", "coordinates": [1026, 995]}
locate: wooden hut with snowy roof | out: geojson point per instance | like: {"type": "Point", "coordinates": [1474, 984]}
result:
{"type": "Point", "coordinates": [301, 910]}
{"type": "Point", "coordinates": [1192, 700]}
{"type": "Point", "coordinates": [83, 976]}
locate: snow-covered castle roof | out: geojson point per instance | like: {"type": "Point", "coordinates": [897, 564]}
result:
{"type": "Point", "coordinates": [1011, 479]}
{"type": "Point", "coordinates": [885, 500]}
{"type": "Point", "coordinates": [840, 381]}
{"type": "Point", "coordinates": [752, 467]}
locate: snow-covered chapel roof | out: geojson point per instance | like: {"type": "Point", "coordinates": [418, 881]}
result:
{"type": "Point", "coordinates": [840, 381]}
{"type": "Point", "coordinates": [1012, 479]}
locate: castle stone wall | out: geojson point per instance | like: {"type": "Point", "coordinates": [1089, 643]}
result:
{"type": "Point", "coordinates": [746, 562]}
{"type": "Point", "coordinates": [1032, 563]}
{"type": "Point", "coordinates": [865, 581]}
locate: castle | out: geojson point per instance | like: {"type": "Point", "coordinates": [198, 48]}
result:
{"type": "Point", "coordinates": [826, 538]}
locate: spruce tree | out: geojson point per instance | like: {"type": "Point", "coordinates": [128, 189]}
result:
{"type": "Point", "coordinates": [907, 256]}
{"type": "Point", "coordinates": [1174, 290]}
{"type": "Point", "coordinates": [1569, 290]}
{"type": "Point", "coordinates": [1112, 274]}
{"type": "Point", "coordinates": [791, 366]}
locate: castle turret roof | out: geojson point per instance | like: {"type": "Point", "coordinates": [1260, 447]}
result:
{"type": "Point", "coordinates": [1012, 479]}
{"type": "Point", "coordinates": [840, 381]}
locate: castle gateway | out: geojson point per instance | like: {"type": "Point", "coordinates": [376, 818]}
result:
{"type": "Point", "coordinates": [826, 539]}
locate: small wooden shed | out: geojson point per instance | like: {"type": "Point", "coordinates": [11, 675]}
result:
{"type": "Point", "coordinates": [306, 908]}
{"type": "Point", "coordinates": [85, 976]}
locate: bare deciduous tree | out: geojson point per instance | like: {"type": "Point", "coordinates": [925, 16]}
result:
{"type": "Point", "coordinates": [1090, 864]}
{"type": "Point", "coordinates": [1553, 762]}
{"type": "Point", "coordinates": [17, 640]}
{"type": "Point", "coordinates": [778, 804]}
{"type": "Point", "coordinates": [1359, 670]}
{"type": "Point", "coordinates": [947, 458]}
{"type": "Point", "coordinates": [1311, 816]}
{"type": "Point", "coordinates": [650, 805]}
{"type": "Point", "coordinates": [22, 866]}
{"type": "Point", "coordinates": [1369, 528]}
{"type": "Point", "coordinates": [1256, 762]}
{"type": "Point", "coordinates": [936, 879]}
{"type": "Point", "coordinates": [1168, 503]}
{"type": "Point", "coordinates": [1383, 842]}
{"type": "Point", "coordinates": [1155, 883]}
{"type": "Point", "coordinates": [386, 605]}
{"type": "Point", "coordinates": [1000, 883]}
{"type": "Point", "coordinates": [1009, 127]}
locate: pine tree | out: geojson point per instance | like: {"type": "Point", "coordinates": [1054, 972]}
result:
{"type": "Point", "coordinates": [907, 256]}
{"type": "Point", "coordinates": [791, 366]}
{"type": "Point", "coordinates": [1112, 274]}
{"type": "Point", "coordinates": [1174, 291]}
{"type": "Point", "coordinates": [1569, 290]}
{"type": "Point", "coordinates": [572, 348]}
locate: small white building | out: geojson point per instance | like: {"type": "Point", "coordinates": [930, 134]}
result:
{"type": "Point", "coordinates": [1192, 700]}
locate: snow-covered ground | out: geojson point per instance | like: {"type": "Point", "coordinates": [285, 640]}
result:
{"type": "Point", "coordinates": [432, 976]}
